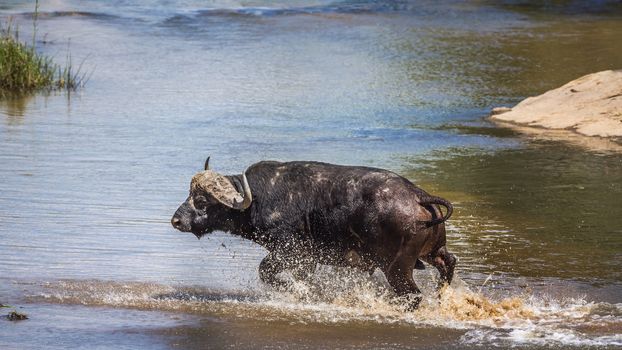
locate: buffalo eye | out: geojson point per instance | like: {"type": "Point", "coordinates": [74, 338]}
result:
{"type": "Point", "coordinates": [200, 202]}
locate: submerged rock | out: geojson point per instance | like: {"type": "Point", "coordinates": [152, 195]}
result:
{"type": "Point", "coordinates": [590, 105]}
{"type": "Point", "coordinates": [16, 316]}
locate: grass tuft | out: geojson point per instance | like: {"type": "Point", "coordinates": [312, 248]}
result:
{"type": "Point", "coordinates": [23, 70]}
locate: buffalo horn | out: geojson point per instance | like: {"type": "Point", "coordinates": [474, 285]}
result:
{"type": "Point", "coordinates": [248, 196]}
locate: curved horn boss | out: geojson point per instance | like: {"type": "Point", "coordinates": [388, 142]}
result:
{"type": "Point", "coordinates": [222, 189]}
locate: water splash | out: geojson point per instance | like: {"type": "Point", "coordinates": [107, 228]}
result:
{"type": "Point", "coordinates": [348, 297]}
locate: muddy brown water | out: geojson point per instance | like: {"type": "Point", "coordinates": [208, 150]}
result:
{"type": "Point", "coordinates": [89, 180]}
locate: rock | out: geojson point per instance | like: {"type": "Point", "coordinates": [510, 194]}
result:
{"type": "Point", "coordinates": [16, 316]}
{"type": "Point", "coordinates": [500, 110]}
{"type": "Point", "coordinates": [590, 105]}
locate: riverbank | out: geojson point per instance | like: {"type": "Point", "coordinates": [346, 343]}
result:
{"type": "Point", "coordinates": [589, 106]}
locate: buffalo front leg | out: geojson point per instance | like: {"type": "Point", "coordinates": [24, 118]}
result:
{"type": "Point", "coordinates": [302, 268]}
{"type": "Point", "coordinates": [269, 267]}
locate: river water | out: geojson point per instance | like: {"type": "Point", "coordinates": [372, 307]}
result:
{"type": "Point", "coordinates": [89, 180]}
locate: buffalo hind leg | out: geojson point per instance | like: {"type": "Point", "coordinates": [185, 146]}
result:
{"type": "Point", "coordinates": [400, 276]}
{"type": "Point", "coordinates": [445, 263]}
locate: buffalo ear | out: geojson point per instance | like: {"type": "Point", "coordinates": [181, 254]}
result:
{"type": "Point", "coordinates": [207, 163]}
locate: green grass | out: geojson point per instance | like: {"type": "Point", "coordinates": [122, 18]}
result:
{"type": "Point", "coordinates": [23, 70]}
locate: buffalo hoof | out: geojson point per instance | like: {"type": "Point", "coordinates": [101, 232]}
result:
{"type": "Point", "coordinates": [413, 302]}
{"type": "Point", "coordinates": [410, 302]}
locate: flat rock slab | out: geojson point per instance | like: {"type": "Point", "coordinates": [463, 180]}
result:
{"type": "Point", "coordinates": [590, 105]}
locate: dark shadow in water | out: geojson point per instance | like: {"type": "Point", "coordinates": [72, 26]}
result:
{"type": "Point", "coordinates": [78, 14]}
{"type": "Point", "coordinates": [475, 128]}
{"type": "Point", "coordinates": [562, 7]}
{"type": "Point", "coordinates": [547, 210]}
{"type": "Point", "coordinates": [203, 296]}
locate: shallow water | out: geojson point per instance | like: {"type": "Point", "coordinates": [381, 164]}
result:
{"type": "Point", "coordinates": [90, 179]}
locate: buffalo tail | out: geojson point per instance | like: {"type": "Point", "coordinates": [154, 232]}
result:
{"type": "Point", "coordinates": [429, 200]}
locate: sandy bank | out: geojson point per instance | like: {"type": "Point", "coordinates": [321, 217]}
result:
{"type": "Point", "coordinates": [590, 105]}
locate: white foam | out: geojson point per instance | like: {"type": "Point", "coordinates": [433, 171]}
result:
{"type": "Point", "coordinates": [347, 297]}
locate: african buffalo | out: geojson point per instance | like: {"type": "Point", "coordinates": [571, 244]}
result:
{"type": "Point", "coordinates": [306, 213]}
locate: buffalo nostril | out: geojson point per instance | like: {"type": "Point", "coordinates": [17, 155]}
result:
{"type": "Point", "coordinates": [176, 222]}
